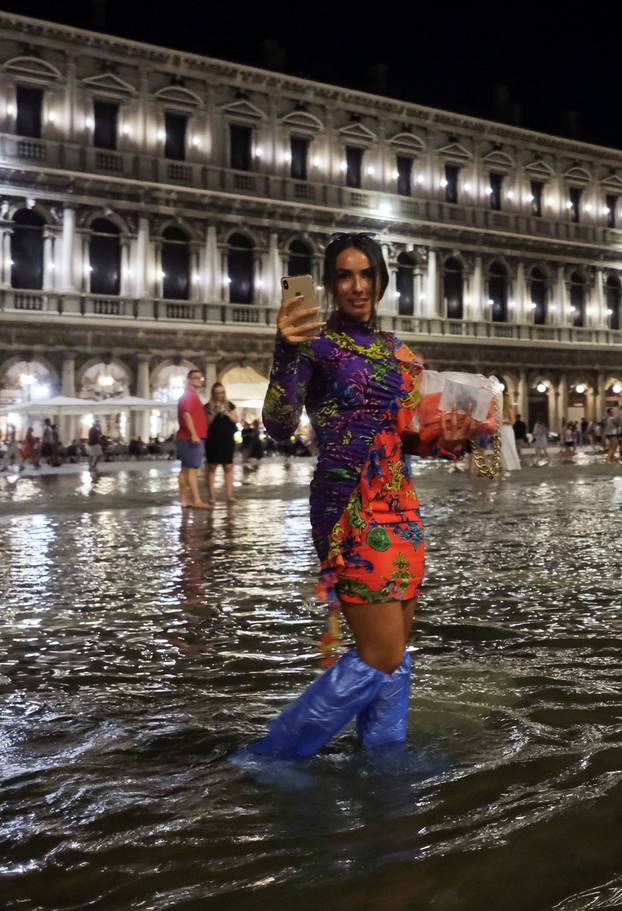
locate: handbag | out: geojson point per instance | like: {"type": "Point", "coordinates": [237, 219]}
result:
{"type": "Point", "coordinates": [443, 392]}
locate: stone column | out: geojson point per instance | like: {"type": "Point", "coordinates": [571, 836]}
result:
{"type": "Point", "coordinates": [211, 374]}
{"type": "Point", "coordinates": [476, 290]}
{"type": "Point", "coordinates": [599, 397]}
{"type": "Point", "coordinates": [195, 273]}
{"type": "Point", "coordinates": [124, 284]}
{"type": "Point", "coordinates": [599, 318]}
{"type": "Point", "coordinates": [141, 283]}
{"type": "Point", "coordinates": [523, 309]}
{"type": "Point", "coordinates": [554, 419]}
{"type": "Point", "coordinates": [67, 271]}
{"type": "Point", "coordinates": [561, 303]}
{"type": "Point", "coordinates": [211, 270]}
{"type": "Point", "coordinates": [48, 260]}
{"type": "Point", "coordinates": [418, 304]}
{"type": "Point", "coordinates": [431, 301]}
{"type": "Point", "coordinates": [143, 391]}
{"type": "Point", "coordinates": [157, 258]}
{"type": "Point", "coordinates": [68, 388]}
{"type": "Point", "coordinates": [523, 397]}
{"type": "Point", "coordinates": [69, 374]}
{"type": "Point", "coordinates": [6, 257]}
{"type": "Point", "coordinates": [273, 273]}
{"type": "Point", "coordinates": [258, 288]}
{"type": "Point", "coordinates": [70, 99]}
{"type": "Point", "coordinates": [86, 264]}
{"type": "Point", "coordinates": [563, 400]}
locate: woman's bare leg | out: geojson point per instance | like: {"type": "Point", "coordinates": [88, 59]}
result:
{"type": "Point", "coordinates": [228, 470]}
{"type": "Point", "coordinates": [379, 633]}
{"type": "Point", "coordinates": [210, 477]}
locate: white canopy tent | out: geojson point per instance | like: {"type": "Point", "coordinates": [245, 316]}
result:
{"type": "Point", "coordinates": [65, 405]}
{"type": "Point", "coordinates": [245, 387]}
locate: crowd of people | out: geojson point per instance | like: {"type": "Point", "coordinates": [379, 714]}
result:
{"type": "Point", "coordinates": [48, 449]}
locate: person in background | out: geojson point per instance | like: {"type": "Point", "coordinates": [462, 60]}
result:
{"type": "Point", "coordinates": [190, 443]}
{"type": "Point", "coordinates": [520, 434]}
{"type": "Point", "coordinates": [30, 449]}
{"type": "Point", "coordinates": [541, 441]}
{"type": "Point", "coordinates": [12, 454]}
{"type": "Point", "coordinates": [568, 441]}
{"type": "Point", "coordinates": [47, 440]}
{"type": "Point", "coordinates": [96, 449]}
{"type": "Point", "coordinates": [222, 423]}
{"type": "Point", "coordinates": [509, 454]}
{"type": "Point", "coordinates": [611, 428]}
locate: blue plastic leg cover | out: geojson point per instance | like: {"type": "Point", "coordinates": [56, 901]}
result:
{"type": "Point", "coordinates": [383, 721]}
{"type": "Point", "coordinates": [322, 710]}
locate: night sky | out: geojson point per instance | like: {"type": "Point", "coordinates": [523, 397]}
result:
{"type": "Point", "coordinates": [541, 66]}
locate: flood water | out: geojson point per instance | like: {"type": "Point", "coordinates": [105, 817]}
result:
{"type": "Point", "coordinates": [139, 648]}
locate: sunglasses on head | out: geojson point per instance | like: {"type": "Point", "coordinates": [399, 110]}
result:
{"type": "Point", "coordinates": [364, 235]}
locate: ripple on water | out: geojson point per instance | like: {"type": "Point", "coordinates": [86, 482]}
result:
{"type": "Point", "coordinates": [141, 647]}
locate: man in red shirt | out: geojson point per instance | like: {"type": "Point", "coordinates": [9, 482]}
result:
{"type": "Point", "coordinates": [191, 441]}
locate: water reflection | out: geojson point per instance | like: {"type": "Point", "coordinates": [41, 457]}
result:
{"type": "Point", "coordinates": [142, 643]}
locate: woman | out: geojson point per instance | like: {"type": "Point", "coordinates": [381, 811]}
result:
{"type": "Point", "coordinates": [611, 435]}
{"type": "Point", "coordinates": [509, 453]}
{"type": "Point", "coordinates": [222, 423]}
{"type": "Point", "coordinates": [30, 449]}
{"type": "Point", "coordinates": [359, 386]}
{"type": "Point", "coordinates": [568, 443]}
{"type": "Point", "coordinates": [541, 442]}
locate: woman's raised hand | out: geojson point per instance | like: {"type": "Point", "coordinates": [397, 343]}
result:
{"type": "Point", "coordinates": [296, 323]}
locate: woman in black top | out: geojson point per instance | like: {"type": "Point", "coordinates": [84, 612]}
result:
{"type": "Point", "coordinates": [220, 444]}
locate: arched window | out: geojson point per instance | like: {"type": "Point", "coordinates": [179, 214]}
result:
{"type": "Point", "coordinates": [498, 292]}
{"type": "Point", "coordinates": [577, 299]}
{"type": "Point", "coordinates": [612, 295]}
{"type": "Point", "coordinates": [538, 296]}
{"type": "Point", "coordinates": [300, 260]}
{"type": "Point", "coordinates": [175, 264]}
{"type": "Point", "coordinates": [27, 250]}
{"type": "Point", "coordinates": [241, 270]}
{"type": "Point", "coordinates": [405, 281]}
{"type": "Point", "coordinates": [105, 257]}
{"type": "Point", "coordinates": [453, 288]}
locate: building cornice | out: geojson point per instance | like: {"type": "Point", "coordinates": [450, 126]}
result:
{"type": "Point", "coordinates": [89, 189]}
{"type": "Point", "coordinates": [20, 26]}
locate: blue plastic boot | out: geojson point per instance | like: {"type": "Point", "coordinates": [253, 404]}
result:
{"type": "Point", "coordinates": [383, 721]}
{"type": "Point", "coordinates": [322, 710]}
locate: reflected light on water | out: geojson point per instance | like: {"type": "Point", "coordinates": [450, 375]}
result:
{"type": "Point", "coordinates": [141, 645]}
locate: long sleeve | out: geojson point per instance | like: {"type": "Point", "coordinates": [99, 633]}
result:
{"type": "Point", "coordinates": [292, 368]}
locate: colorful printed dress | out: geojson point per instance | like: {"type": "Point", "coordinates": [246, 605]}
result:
{"type": "Point", "coordinates": [359, 387]}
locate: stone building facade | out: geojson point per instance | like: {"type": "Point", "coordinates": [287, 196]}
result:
{"type": "Point", "coordinates": [151, 199]}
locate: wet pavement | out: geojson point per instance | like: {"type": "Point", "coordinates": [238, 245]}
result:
{"type": "Point", "coordinates": [141, 646]}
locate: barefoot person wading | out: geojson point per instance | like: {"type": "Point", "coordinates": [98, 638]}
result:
{"type": "Point", "coordinates": [190, 443]}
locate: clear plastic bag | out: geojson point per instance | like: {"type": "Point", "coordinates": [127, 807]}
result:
{"type": "Point", "coordinates": [444, 391]}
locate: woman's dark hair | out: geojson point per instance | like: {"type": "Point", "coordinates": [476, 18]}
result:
{"type": "Point", "coordinates": [215, 386]}
{"type": "Point", "coordinates": [372, 250]}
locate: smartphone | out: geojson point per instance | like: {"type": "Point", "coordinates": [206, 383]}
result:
{"type": "Point", "coordinates": [291, 285]}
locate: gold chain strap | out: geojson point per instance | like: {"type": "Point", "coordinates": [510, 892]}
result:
{"type": "Point", "coordinates": [485, 468]}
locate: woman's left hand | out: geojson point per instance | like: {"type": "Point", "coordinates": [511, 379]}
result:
{"type": "Point", "coordinates": [456, 429]}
